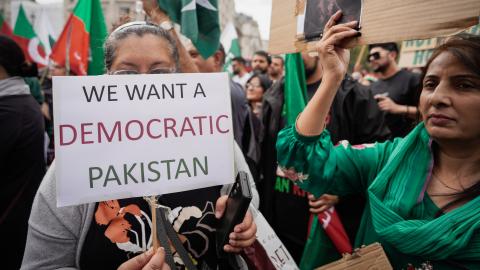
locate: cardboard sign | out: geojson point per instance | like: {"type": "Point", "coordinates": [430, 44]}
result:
{"type": "Point", "coordinates": [381, 21]}
{"type": "Point", "coordinates": [365, 258]}
{"type": "Point", "coordinates": [121, 136]}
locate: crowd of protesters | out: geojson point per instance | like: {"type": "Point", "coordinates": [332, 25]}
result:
{"type": "Point", "coordinates": [395, 121]}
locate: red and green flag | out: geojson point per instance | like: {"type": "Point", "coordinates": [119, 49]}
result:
{"type": "Point", "coordinates": [5, 28]}
{"type": "Point", "coordinates": [80, 46]}
{"type": "Point", "coordinates": [28, 40]}
{"type": "Point", "coordinates": [198, 20]}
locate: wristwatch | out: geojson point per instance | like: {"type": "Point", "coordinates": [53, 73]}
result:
{"type": "Point", "coordinates": [166, 25]}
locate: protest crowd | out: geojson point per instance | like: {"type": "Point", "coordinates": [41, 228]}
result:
{"type": "Point", "coordinates": [342, 152]}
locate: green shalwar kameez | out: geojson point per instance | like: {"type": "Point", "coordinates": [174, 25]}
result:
{"type": "Point", "coordinates": [393, 176]}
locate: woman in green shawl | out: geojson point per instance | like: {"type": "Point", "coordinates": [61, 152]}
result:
{"type": "Point", "coordinates": [422, 190]}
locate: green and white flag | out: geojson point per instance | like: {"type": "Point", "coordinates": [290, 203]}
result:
{"type": "Point", "coordinates": [45, 31]}
{"type": "Point", "coordinates": [198, 20]}
{"type": "Point", "coordinates": [229, 40]}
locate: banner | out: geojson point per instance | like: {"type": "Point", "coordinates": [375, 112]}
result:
{"type": "Point", "coordinates": [415, 53]}
{"type": "Point", "coordinates": [121, 136]}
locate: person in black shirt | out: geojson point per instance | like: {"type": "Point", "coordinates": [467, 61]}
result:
{"type": "Point", "coordinates": [396, 90]}
{"type": "Point", "coordinates": [21, 150]}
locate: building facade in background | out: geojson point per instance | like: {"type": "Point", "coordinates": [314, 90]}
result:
{"type": "Point", "coordinates": [248, 35]}
{"type": "Point", "coordinates": [247, 28]}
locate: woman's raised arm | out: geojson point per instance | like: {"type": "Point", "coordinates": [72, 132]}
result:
{"type": "Point", "coordinates": [333, 50]}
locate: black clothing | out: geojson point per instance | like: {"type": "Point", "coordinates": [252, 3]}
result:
{"type": "Point", "coordinates": [245, 129]}
{"type": "Point", "coordinates": [404, 89]}
{"type": "Point", "coordinates": [192, 216]}
{"type": "Point", "coordinates": [354, 116]}
{"type": "Point", "coordinates": [22, 168]}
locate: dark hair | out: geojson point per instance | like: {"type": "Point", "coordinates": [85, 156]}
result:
{"type": "Point", "coordinates": [466, 48]}
{"type": "Point", "coordinates": [13, 60]}
{"type": "Point", "coordinates": [390, 46]}
{"type": "Point", "coordinates": [265, 81]}
{"type": "Point", "coordinates": [240, 60]}
{"type": "Point", "coordinates": [140, 29]}
{"type": "Point", "coordinates": [265, 55]}
{"type": "Point", "coordinates": [279, 57]}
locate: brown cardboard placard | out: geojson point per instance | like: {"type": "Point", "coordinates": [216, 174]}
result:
{"type": "Point", "coordinates": [370, 257]}
{"type": "Point", "coordinates": [382, 21]}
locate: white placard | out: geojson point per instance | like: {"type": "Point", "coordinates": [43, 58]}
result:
{"type": "Point", "coordinates": [139, 135]}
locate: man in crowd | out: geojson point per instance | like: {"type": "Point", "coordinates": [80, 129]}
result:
{"type": "Point", "coordinates": [240, 72]}
{"type": "Point", "coordinates": [260, 62]}
{"type": "Point", "coordinates": [354, 116]}
{"type": "Point", "coordinates": [275, 70]}
{"type": "Point", "coordinates": [243, 129]}
{"type": "Point", "coordinates": [396, 90]}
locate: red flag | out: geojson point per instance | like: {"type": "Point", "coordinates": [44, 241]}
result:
{"type": "Point", "coordinates": [24, 38]}
{"type": "Point", "coordinates": [334, 229]}
{"type": "Point", "coordinates": [27, 39]}
{"type": "Point", "coordinates": [5, 29]}
{"type": "Point", "coordinates": [79, 47]}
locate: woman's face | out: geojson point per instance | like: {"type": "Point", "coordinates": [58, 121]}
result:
{"type": "Point", "coordinates": [450, 100]}
{"type": "Point", "coordinates": [254, 90]}
{"type": "Point", "coordinates": [141, 55]}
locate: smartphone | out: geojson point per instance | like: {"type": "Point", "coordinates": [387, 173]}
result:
{"type": "Point", "coordinates": [238, 201]}
{"type": "Point", "coordinates": [384, 94]}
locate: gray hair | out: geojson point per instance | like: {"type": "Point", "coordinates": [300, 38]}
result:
{"type": "Point", "coordinates": [139, 28]}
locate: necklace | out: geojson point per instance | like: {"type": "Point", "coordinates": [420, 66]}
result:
{"type": "Point", "coordinates": [445, 185]}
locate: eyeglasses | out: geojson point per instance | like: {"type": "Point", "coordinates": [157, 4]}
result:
{"type": "Point", "coordinates": [153, 71]}
{"type": "Point", "coordinates": [375, 56]}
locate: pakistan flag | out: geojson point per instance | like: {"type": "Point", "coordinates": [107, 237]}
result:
{"type": "Point", "coordinates": [229, 40]}
{"type": "Point", "coordinates": [198, 20]}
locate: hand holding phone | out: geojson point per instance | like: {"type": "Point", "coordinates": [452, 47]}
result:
{"type": "Point", "coordinates": [238, 201]}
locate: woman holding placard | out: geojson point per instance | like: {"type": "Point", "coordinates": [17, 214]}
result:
{"type": "Point", "coordinates": [111, 234]}
{"type": "Point", "coordinates": [423, 190]}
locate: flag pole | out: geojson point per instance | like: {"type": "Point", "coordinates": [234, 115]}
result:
{"type": "Point", "coordinates": [152, 201]}
{"type": "Point", "coordinates": [45, 72]}
{"type": "Point", "coordinates": [360, 55]}
{"type": "Point", "coordinates": [67, 49]}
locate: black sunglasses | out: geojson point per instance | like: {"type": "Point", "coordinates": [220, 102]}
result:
{"type": "Point", "coordinates": [375, 56]}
